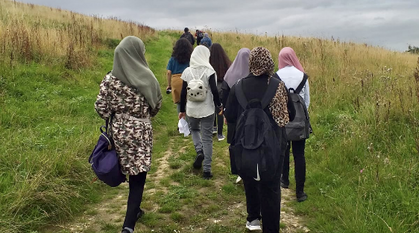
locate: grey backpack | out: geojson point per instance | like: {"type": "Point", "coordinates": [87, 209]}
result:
{"type": "Point", "coordinates": [299, 128]}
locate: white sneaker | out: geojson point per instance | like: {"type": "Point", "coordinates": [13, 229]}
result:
{"type": "Point", "coordinates": [238, 179]}
{"type": "Point", "coordinates": [220, 137]}
{"type": "Point", "coordinates": [253, 225]}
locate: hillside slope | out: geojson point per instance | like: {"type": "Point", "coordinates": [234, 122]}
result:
{"type": "Point", "coordinates": [362, 161]}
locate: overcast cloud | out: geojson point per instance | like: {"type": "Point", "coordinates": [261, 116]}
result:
{"type": "Point", "coordinates": [392, 24]}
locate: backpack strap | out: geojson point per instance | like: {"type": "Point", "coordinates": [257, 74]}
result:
{"type": "Point", "coordinates": [303, 82]}
{"type": "Point", "coordinates": [193, 77]}
{"type": "Point", "coordinates": [241, 98]}
{"type": "Point", "coordinates": [276, 76]}
{"type": "Point", "coordinates": [270, 92]}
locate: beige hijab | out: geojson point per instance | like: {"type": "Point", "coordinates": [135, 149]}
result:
{"type": "Point", "coordinates": [131, 68]}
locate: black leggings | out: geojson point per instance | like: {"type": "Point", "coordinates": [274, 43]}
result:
{"type": "Point", "coordinates": [136, 188]}
{"type": "Point", "coordinates": [299, 162]}
{"type": "Point", "coordinates": [220, 119]}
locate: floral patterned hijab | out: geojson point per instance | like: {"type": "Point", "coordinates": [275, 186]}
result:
{"type": "Point", "coordinates": [261, 62]}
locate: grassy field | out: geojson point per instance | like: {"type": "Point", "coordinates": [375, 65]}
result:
{"type": "Point", "coordinates": [362, 161]}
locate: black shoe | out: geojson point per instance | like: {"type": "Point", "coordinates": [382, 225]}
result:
{"type": "Point", "coordinates": [198, 160]}
{"type": "Point", "coordinates": [125, 231]}
{"type": "Point", "coordinates": [140, 214]}
{"type": "Point", "coordinates": [301, 196]}
{"type": "Point", "coordinates": [284, 184]}
{"type": "Point", "coordinates": [207, 175]}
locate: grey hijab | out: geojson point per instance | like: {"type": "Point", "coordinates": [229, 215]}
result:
{"type": "Point", "coordinates": [239, 69]}
{"type": "Point", "coordinates": [131, 68]}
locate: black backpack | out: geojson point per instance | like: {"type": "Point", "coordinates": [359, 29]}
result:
{"type": "Point", "coordinates": [299, 128]}
{"type": "Point", "coordinates": [257, 148]}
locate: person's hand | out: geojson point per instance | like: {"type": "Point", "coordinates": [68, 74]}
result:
{"type": "Point", "coordinates": [221, 108]}
{"type": "Point", "coordinates": [168, 89]}
{"type": "Point", "coordinates": [181, 115]}
{"type": "Point", "coordinates": [225, 120]}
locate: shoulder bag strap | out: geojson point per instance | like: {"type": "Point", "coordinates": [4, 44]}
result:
{"type": "Point", "coordinates": [303, 82]}
{"type": "Point", "coordinates": [241, 98]}
{"type": "Point", "coordinates": [270, 92]}
{"type": "Point", "coordinates": [276, 76]}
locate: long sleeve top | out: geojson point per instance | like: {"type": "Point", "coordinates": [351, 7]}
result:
{"type": "Point", "coordinates": [292, 77]}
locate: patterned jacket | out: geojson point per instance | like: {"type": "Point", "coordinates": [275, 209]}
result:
{"type": "Point", "coordinates": [131, 126]}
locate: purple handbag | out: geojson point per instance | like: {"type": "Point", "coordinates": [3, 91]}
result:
{"type": "Point", "coordinates": [105, 161]}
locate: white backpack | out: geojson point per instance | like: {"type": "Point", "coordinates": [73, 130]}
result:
{"type": "Point", "coordinates": [196, 90]}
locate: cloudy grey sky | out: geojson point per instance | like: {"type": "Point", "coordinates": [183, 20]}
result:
{"type": "Point", "coordinates": [392, 24]}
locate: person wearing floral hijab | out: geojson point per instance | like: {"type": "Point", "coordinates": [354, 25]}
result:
{"type": "Point", "coordinates": [263, 198]}
{"type": "Point", "coordinates": [200, 114]}
{"type": "Point", "coordinates": [130, 95]}
{"type": "Point", "coordinates": [291, 72]}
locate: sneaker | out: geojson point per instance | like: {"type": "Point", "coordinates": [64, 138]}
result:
{"type": "Point", "coordinates": [253, 225]}
{"type": "Point", "coordinates": [238, 179]}
{"type": "Point", "coordinates": [207, 175]}
{"type": "Point", "coordinates": [127, 230]}
{"type": "Point", "coordinates": [214, 130]}
{"type": "Point", "coordinates": [140, 214]}
{"type": "Point", "coordinates": [220, 137]}
{"type": "Point", "coordinates": [198, 160]}
{"type": "Point", "coordinates": [284, 184]}
{"type": "Point", "coordinates": [301, 196]}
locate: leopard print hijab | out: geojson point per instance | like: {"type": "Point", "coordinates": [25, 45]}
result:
{"type": "Point", "coordinates": [261, 62]}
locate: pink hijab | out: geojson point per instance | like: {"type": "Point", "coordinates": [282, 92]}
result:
{"type": "Point", "coordinates": [287, 57]}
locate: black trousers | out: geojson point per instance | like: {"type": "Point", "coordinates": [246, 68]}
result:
{"type": "Point", "coordinates": [136, 188]}
{"type": "Point", "coordinates": [264, 198]}
{"type": "Point", "coordinates": [220, 119]}
{"type": "Point", "coordinates": [298, 148]}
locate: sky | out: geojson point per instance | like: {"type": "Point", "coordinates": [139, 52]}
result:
{"type": "Point", "coordinates": [391, 24]}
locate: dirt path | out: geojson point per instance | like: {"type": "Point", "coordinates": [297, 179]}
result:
{"type": "Point", "coordinates": [110, 212]}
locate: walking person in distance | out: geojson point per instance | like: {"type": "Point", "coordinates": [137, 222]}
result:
{"type": "Point", "coordinates": [187, 35]}
{"type": "Point", "coordinates": [178, 62]}
{"type": "Point", "coordinates": [220, 62]}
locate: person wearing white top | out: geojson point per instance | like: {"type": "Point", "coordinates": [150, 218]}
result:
{"type": "Point", "coordinates": [200, 113]}
{"type": "Point", "coordinates": [291, 73]}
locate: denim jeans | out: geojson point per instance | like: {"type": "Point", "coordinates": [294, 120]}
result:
{"type": "Point", "coordinates": [201, 130]}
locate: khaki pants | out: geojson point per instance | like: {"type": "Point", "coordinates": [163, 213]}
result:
{"type": "Point", "coordinates": [176, 84]}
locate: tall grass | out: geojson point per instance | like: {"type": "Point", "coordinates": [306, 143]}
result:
{"type": "Point", "coordinates": [362, 161]}
{"type": "Point", "coordinates": [51, 62]}
{"type": "Point", "coordinates": [30, 33]}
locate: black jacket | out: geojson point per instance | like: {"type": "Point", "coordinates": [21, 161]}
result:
{"type": "Point", "coordinates": [254, 88]}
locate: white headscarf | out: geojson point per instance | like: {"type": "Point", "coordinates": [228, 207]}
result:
{"type": "Point", "coordinates": [200, 59]}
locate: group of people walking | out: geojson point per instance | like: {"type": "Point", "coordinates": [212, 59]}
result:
{"type": "Point", "coordinates": [201, 37]}
{"type": "Point", "coordinates": [204, 86]}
